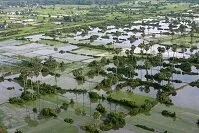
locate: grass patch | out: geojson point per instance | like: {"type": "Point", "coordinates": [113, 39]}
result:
{"type": "Point", "coordinates": [138, 99]}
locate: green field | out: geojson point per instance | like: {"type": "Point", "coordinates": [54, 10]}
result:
{"type": "Point", "coordinates": [138, 99]}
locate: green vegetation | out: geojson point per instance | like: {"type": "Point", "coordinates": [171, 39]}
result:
{"type": "Point", "coordinates": [98, 65]}
{"type": "Point", "coordinates": [47, 112]}
{"type": "Point", "coordinates": [168, 114]}
{"type": "Point", "coordinates": [113, 121]}
{"type": "Point", "coordinates": [69, 120]}
{"type": "Point", "coordinates": [146, 128]}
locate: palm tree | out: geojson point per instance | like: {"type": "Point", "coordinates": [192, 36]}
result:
{"type": "Point", "coordinates": [151, 43]}
{"type": "Point", "coordinates": [174, 49]}
{"type": "Point", "coordinates": [182, 28]}
{"type": "Point", "coordinates": [131, 69]}
{"type": "Point", "coordinates": [24, 75]}
{"type": "Point", "coordinates": [116, 63]}
{"type": "Point", "coordinates": [141, 46]}
{"type": "Point", "coordinates": [118, 51]}
{"type": "Point", "coordinates": [167, 47]}
{"type": "Point", "coordinates": [161, 50]}
{"type": "Point", "coordinates": [133, 47]}
{"type": "Point", "coordinates": [96, 116]}
{"type": "Point", "coordinates": [127, 52]}
{"type": "Point", "coordinates": [148, 65]}
{"type": "Point", "coordinates": [183, 50]}
{"type": "Point", "coordinates": [146, 47]}
{"type": "Point", "coordinates": [191, 50]}
{"type": "Point", "coordinates": [56, 75]}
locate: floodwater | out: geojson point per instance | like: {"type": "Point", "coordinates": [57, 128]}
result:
{"type": "Point", "coordinates": [186, 97]}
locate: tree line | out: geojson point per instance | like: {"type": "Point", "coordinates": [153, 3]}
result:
{"type": "Point", "coordinates": [50, 2]}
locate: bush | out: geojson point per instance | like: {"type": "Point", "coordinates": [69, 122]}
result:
{"type": "Point", "coordinates": [64, 106]}
{"type": "Point", "coordinates": [145, 127]}
{"type": "Point", "coordinates": [69, 120]}
{"type": "Point", "coordinates": [195, 83]}
{"type": "Point", "coordinates": [94, 95]}
{"type": "Point", "coordinates": [134, 111]}
{"type": "Point", "coordinates": [10, 88]}
{"type": "Point", "coordinates": [72, 101]}
{"type": "Point", "coordinates": [101, 109]}
{"type": "Point", "coordinates": [168, 114]}
{"type": "Point", "coordinates": [113, 120]}
{"type": "Point", "coordinates": [16, 100]}
{"type": "Point", "coordinates": [91, 129]}
{"type": "Point", "coordinates": [47, 112]}
{"type": "Point", "coordinates": [34, 110]}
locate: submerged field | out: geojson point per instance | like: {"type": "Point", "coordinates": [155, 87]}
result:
{"type": "Point", "coordinates": [91, 69]}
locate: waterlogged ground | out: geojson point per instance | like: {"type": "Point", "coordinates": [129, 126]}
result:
{"type": "Point", "coordinates": [15, 117]}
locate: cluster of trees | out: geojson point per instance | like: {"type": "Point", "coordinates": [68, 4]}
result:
{"type": "Point", "coordinates": [179, 1]}
{"type": "Point", "coordinates": [1, 79]}
{"type": "Point", "coordinates": [101, 109]}
{"type": "Point", "coordinates": [108, 82]}
{"type": "Point", "coordinates": [195, 83]}
{"type": "Point", "coordinates": [37, 90]}
{"type": "Point", "coordinates": [94, 95]}
{"type": "Point", "coordinates": [134, 109]}
{"type": "Point", "coordinates": [113, 120]}
{"type": "Point", "coordinates": [52, 2]}
{"type": "Point", "coordinates": [91, 128]}
{"type": "Point", "coordinates": [163, 95]}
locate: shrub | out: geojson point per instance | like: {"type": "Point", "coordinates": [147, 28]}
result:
{"type": "Point", "coordinates": [69, 120]}
{"type": "Point", "coordinates": [34, 110]}
{"type": "Point", "coordinates": [64, 106]}
{"type": "Point", "coordinates": [47, 112]}
{"type": "Point", "coordinates": [168, 114]}
{"type": "Point", "coordinates": [16, 100]}
{"type": "Point", "coordinates": [113, 120]}
{"type": "Point", "coordinates": [94, 95]}
{"type": "Point", "coordinates": [134, 111]}
{"type": "Point", "coordinates": [101, 109]}
{"type": "Point", "coordinates": [145, 127]}
{"type": "Point", "coordinates": [91, 129]}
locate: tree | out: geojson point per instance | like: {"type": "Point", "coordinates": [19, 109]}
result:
{"type": "Point", "coordinates": [182, 28]}
{"type": "Point", "coordinates": [174, 49]}
{"type": "Point", "coordinates": [191, 50]}
{"type": "Point", "coordinates": [148, 65]}
{"type": "Point", "coordinates": [146, 48]}
{"type": "Point", "coordinates": [116, 63]}
{"type": "Point", "coordinates": [141, 46]}
{"type": "Point", "coordinates": [101, 109]}
{"type": "Point", "coordinates": [161, 50]}
{"type": "Point", "coordinates": [183, 50]}
{"type": "Point", "coordinates": [96, 116]}
{"type": "Point", "coordinates": [131, 70]}
{"type": "Point", "coordinates": [133, 47]}
{"type": "Point", "coordinates": [127, 52]}
{"type": "Point", "coordinates": [167, 47]}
